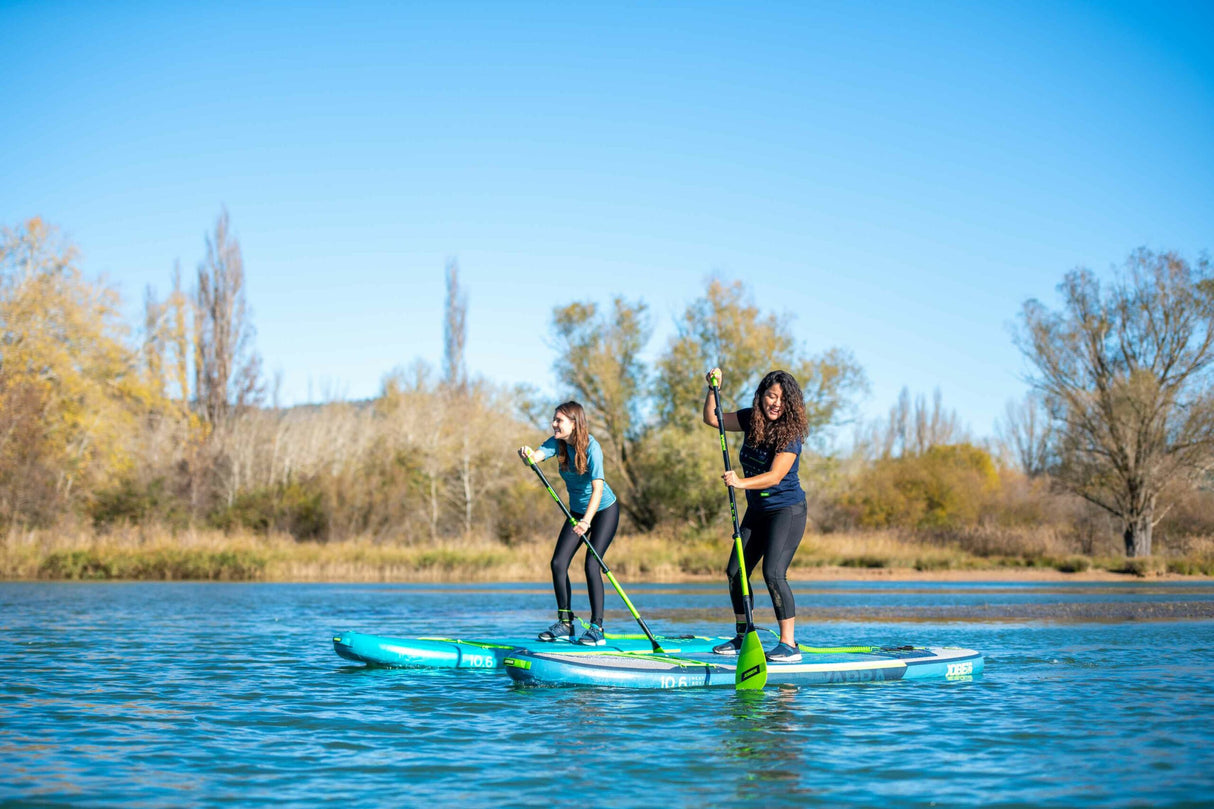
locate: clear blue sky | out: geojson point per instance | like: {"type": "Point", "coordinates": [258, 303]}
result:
{"type": "Point", "coordinates": [898, 177]}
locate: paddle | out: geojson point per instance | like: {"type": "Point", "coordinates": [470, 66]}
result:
{"type": "Point", "coordinates": [590, 548]}
{"type": "Point", "coordinates": [751, 672]}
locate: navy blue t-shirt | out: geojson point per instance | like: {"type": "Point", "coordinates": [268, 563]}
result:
{"type": "Point", "coordinates": [757, 460]}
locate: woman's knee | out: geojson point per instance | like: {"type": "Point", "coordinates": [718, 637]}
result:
{"type": "Point", "coordinates": [773, 571]}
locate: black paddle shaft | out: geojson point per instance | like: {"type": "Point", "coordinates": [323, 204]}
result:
{"type": "Point", "coordinates": [733, 510]}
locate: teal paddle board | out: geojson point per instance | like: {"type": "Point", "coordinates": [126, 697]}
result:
{"type": "Point", "coordinates": [458, 653]}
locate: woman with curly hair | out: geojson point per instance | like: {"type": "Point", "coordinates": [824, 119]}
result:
{"type": "Point", "coordinates": [775, 427]}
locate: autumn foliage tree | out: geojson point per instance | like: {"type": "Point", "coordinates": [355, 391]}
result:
{"type": "Point", "coordinates": [648, 419]}
{"type": "Point", "coordinates": [599, 361]}
{"type": "Point", "coordinates": [72, 392]}
{"type": "Point", "coordinates": [944, 486]}
{"type": "Point", "coordinates": [725, 328]}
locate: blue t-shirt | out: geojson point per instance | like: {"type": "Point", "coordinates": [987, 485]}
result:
{"type": "Point", "coordinates": [579, 485]}
{"type": "Point", "coordinates": [757, 460]}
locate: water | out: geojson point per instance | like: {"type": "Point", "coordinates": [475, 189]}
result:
{"type": "Point", "coordinates": [172, 694]}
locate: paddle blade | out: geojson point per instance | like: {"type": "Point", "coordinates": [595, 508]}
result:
{"type": "Point", "coordinates": [752, 664]}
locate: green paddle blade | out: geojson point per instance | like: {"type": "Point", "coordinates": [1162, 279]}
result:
{"type": "Point", "coordinates": [752, 664]}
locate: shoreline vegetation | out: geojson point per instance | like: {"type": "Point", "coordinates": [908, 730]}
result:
{"type": "Point", "coordinates": [137, 553]}
{"type": "Point", "coordinates": [158, 451]}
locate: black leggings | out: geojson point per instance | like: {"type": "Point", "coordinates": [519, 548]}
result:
{"type": "Point", "coordinates": [773, 536]}
{"type": "Point", "coordinates": [602, 531]}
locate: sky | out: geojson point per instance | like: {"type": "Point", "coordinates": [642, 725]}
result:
{"type": "Point", "coordinates": [897, 178]}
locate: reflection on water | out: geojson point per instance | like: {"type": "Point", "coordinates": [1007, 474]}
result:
{"type": "Point", "coordinates": [760, 732]}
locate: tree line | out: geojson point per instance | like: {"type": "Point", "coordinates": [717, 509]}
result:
{"type": "Point", "coordinates": [168, 424]}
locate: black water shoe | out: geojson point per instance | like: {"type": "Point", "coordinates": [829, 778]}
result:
{"type": "Point", "coordinates": [730, 648]}
{"type": "Point", "coordinates": [783, 653]}
{"type": "Point", "coordinates": [561, 630]}
{"type": "Point", "coordinates": [593, 636]}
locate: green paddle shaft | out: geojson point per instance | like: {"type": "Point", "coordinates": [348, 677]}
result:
{"type": "Point", "coordinates": [606, 571]}
{"type": "Point", "coordinates": [752, 663]}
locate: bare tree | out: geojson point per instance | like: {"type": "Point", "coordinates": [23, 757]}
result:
{"type": "Point", "coordinates": [455, 381]}
{"type": "Point", "coordinates": [914, 428]}
{"type": "Point", "coordinates": [455, 336]}
{"type": "Point", "coordinates": [154, 339]}
{"type": "Point", "coordinates": [227, 370]}
{"type": "Point", "coordinates": [1026, 435]}
{"type": "Point", "coordinates": [1125, 371]}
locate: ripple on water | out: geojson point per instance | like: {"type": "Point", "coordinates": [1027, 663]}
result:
{"type": "Point", "coordinates": [231, 694]}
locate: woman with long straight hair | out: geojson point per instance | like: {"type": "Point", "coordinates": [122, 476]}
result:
{"type": "Point", "coordinates": [775, 427]}
{"type": "Point", "coordinates": [592, 504]}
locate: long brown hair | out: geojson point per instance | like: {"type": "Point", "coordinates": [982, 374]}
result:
{"type": "Point", "coordinates": [778, 434]}
{"type": "Point", "coordinates": [580, 438]}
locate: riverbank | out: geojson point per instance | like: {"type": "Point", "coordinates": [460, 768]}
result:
{"type": "Point", "coordinates": [139, 554]}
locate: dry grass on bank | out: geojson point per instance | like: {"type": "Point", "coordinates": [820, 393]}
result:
{"type": "Point", "coordinates": [151, 554]}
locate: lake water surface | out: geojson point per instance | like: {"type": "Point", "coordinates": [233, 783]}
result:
{"type": "Point", "coordinates": [172, 694]}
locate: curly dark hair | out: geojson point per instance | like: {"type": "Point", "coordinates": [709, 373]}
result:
{"type": "Point", "coordinates": [792, 423]}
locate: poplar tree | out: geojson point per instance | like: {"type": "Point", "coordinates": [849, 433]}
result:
{"type": "Point", "coordinates": [227, 369]}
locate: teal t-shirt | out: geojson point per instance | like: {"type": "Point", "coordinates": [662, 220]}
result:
{"type": "Point", "coordinates": [579, 485]}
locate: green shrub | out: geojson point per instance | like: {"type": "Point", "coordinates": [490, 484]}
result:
{"type": "Point", "coordinates": [1145, 566]}
{"type": "Point", "coordinates": [297, 508]}
{"type": "Point", "coordinates": [156, 564]}
{"type": "Point", "coordinates": [866, 560]}
{"type": "Point", "coordinates": [520, 511]}
{"type": "Point", "coordinates": [699, 564]}
{"type": "Point", "coordinates": [74, 565]}
{"type": "Point", "coordinates": [926, 563]}
{"type": "Point", "coordinates": [137, 504]}
{"type": "Point", "coordinates": [1073, 564]}
{"type": "Point", "coordinates": [449, 559]}
{"type": "Point", "coordinates": [1192, 566]}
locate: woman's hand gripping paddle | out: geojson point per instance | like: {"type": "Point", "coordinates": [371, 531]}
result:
{"type": "Point", "coordinates": [590, 549]}
{"type": "Point", "coordinates": [752, 663]}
